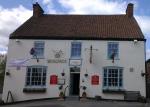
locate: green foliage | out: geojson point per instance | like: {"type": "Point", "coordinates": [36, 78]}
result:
{"type": "Point", "coordinates": [61, 94]}
{"type": "Point", "coordinates": [2, 71]}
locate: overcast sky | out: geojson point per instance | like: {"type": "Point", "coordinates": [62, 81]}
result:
{"type": "Point", "coordinates": [15, 12]}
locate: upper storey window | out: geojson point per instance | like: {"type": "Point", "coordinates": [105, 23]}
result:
{"type": "Point", "coordinates": [113, 50]}
{"type": "Point", "coordinates": [76, 49]}
{"type": "Point", "coordinates": [39, 48]}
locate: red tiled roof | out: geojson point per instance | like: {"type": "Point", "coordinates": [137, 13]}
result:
{"type": "Point", "coordinates": [79, 27]}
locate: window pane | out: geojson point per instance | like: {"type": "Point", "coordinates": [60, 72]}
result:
{"type": "Point", "coordinates": [38, 76]}
{"type": "Point", "coordinates": [113, 48]}
{"type": "Point", "coordinates": [112, 77]}
{"type": "Point", "coordinates": [39, 48]}
{"type": "Point", "coordinates": [76, 50]}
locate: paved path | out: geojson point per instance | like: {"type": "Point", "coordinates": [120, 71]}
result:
{"type": "Point", "coordinates": [56, 103]}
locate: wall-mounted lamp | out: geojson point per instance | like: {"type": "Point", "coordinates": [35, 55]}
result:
{"type": "Point", "coordinates": [17, 41]}
{"type": "Point", "coordinates": [63, 73]}
{"type": "Point", "coordinates": [135, 41]}
{"type": "Point", "coordinates": [7, 73]}
{"type": "Point", "coordinates": [143, 74]}
{"type": "Point", "coordinates": [86, 74]}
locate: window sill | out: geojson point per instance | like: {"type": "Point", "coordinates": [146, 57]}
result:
{"type": "Point", "coordinates": [34, 90]}
{"type": "Point", "coordinates": [114, 59]}
{"type": "Point", "coordinates": [38, 58]}
{"type": "Point", "coordinates": [76, 58]}
{"type": "Point", "coordinates": [113, 90]}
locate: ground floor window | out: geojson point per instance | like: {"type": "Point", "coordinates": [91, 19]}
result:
{"type": "Point", "coordinates": [112, 78]}
{"type": "Point", "coordinates": [36, 76]}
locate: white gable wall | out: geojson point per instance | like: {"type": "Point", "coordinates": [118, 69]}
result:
{"type": "Point", "coordinates": [130, 56]}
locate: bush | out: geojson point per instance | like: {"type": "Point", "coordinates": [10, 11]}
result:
{"type": "Point", "coordinates": [61, 94]}
{"type": "Point", "coordinates": [142, 99]}
{"type": "Point", "coordinates": [84, 94]}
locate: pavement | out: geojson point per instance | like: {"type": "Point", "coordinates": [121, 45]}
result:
{"type": "Point", "coordinates": [84, 103]}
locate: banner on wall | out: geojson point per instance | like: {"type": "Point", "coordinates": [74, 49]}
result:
{"type": "Point", "coordinates": [18, 62]}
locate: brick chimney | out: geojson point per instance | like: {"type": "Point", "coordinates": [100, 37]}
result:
{"type": "Point", "coordinates": [37, 10]}
{"type": "Point", "coordinates": [129, 10]}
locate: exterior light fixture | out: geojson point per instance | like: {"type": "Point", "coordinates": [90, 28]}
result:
{"type": "Point", "coordinates": [17, 41]}
{"type": "Point", "coordinates": [143, 74]}
{"type": "Point", "coordinates": [63, 73]}
{"type": "Point", "coordinates": [8, 73]}
{"type": "Point", "coordinates": [86, 74]}
{"type": "Point", "coordinates": [135, 41]}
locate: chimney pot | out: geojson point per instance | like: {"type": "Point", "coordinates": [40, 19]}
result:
{"type": "Point", "coordinates": [37, 10]}
{"type": "Point", "coordinates": [129, 10]}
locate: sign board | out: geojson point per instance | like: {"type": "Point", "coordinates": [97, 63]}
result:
{"type": "Point", "coordinates": [53, 79]}
{"type": "Point", "coordinates": [56, 61]}
{"type": "Point", "coordinates": [58, 57]}
{"type": "Point", "coordinates": [61, 81]}
{"type": "Point", "coordinates": [95, 80]}
{"type": "Point", "coordinates": [75, 62]}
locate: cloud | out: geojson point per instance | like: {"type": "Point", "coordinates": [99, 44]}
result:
{"type": "Point", "coordinates": [47, 2]}
{"type": "Point", "coordinates": [10, 19]}
{"type": "Point", "coordinates": [50, 6]}
{"type": "Point", "coordinates": [93, 6]}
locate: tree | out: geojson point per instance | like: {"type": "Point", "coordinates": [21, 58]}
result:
{"type": "Point", "coordinates": [2, 72]}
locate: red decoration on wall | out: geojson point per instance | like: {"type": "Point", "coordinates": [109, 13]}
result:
{"type": "Point", "coordinates": [95, 80]}
{"type": "Point", "coordinates": [53, 79]}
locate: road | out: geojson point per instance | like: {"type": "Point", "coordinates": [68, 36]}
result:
{"type": "Point", "coordinates": [88, 103]}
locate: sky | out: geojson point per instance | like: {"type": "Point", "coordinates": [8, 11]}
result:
{"type": "Point", "coordinates": [13, 13]}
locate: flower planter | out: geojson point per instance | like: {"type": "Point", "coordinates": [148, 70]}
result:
{"type": "Point", "coordinates": [61, 95]}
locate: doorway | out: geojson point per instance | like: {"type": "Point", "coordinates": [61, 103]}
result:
{"type": "Point", "coordinates": [74, 82]}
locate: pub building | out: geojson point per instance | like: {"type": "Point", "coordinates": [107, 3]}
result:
{"type": "Point", "coordinates": [52, 55]}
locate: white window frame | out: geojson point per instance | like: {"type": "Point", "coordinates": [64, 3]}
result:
{"type": "Point", "coordinates": [29, 83]}
{"type": "Point", "coordinates": [111, 47]}
{"type": "Point", "coordinates": [76, 49]}
{"type": "Point", "coordinates": [109, 77]}
{"type": "Point", "coordinates": [39, 50]}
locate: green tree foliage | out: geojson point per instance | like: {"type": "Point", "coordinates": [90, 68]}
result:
{"type": "Point", "coordinates": [2, 71]}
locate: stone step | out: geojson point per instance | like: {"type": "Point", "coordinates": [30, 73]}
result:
{"type": "Point", "coordinates": [72, 98]}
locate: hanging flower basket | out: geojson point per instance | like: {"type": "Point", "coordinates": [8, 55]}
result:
{"type": "Point", "coordinates": [84, 88]}
{"type": "Point", "coordinates": [60, 87]}
{"type": "Point", "coordinates": [84, 95]}
{"type": "Point", "coordinates": [86, 75]}
{"type": "Point", "coordinates": [63, 74]}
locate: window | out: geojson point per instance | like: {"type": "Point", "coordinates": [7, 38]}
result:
{"type": "Point", "coordinates": [76, 49]}
{"type": "Point", "coordinates": [113, 49]}
{"type": "Point", "coordinates": [39, 48]}
{"type": "Point", "coordinates": [112, 78]}
{"type": "Point", "coordinates": [36, 76]}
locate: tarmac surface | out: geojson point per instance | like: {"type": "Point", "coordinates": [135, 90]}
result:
{"type": "Point", "coordinates": [84, 103]}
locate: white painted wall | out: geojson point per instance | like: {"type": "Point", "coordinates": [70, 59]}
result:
{"type": "Point", "coordinates": [130, 55]}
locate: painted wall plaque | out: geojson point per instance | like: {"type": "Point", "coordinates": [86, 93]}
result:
{"type": "Point", "coordinates": [75, 62]}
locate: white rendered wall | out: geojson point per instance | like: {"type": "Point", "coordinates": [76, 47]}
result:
{"type": "Point", "coordinates": [130, 56]}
